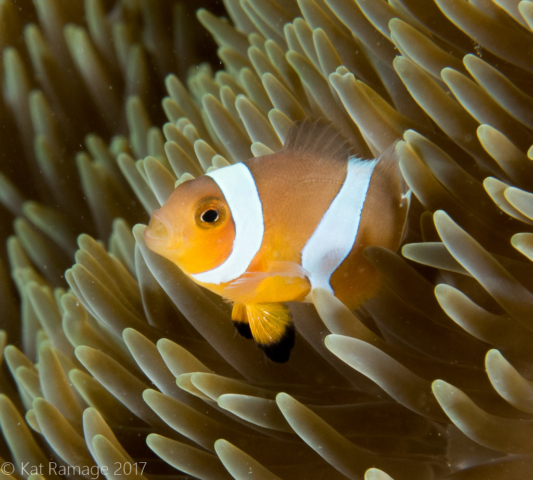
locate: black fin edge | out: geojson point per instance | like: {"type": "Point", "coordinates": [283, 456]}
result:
{"type": "Point", "coordinates": [280, 351]}
{"type": "Point", "coordinates": [243, 329]}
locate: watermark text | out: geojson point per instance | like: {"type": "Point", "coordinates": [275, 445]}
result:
{"type": "Point", "coordinates": [92, 472]}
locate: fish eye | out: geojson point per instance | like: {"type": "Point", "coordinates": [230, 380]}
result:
{"type": "Point", "coordinates": [210, 212]}
{"type": "Point", "coordinates": [209, 216]}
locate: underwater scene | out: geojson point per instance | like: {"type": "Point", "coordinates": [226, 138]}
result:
{"type": "Point", "coordinates": [266, 239]}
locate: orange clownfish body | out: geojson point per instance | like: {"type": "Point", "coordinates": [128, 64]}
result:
{"type": "Point", "coordinates": [267, 231]}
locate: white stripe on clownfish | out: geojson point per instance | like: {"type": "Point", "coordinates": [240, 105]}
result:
{"type": "Point", "coordinates": [240, 191]}
{"type": "Point", "coordinates": [335, 235]}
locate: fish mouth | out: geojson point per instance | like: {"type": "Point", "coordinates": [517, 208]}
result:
{"type": "Point", "coordinates": [160, 234]}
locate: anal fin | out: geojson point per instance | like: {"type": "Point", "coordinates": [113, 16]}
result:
{"type": "Point", "coordinates": [240, 320]}
{"type": "Point", "coordinates": [272, 329]}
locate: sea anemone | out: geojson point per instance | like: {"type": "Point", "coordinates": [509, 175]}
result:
{"type": "Point", "coordinates": [121, 365]}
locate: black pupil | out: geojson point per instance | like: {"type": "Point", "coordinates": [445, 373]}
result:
{"type": "Point", "coordinates": [209, 216]}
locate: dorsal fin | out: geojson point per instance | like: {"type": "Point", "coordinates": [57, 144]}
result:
{"type": "Point", "coordinates": [318, 138]}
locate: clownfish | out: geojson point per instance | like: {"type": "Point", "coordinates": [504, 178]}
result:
{"type": "Point", "coordinates": [271, 229]}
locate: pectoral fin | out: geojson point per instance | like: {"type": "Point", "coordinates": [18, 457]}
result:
{"type": "Point", "coordinates": [281, 282]}
{"type": "Point", "coordinates": [270, 325]}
